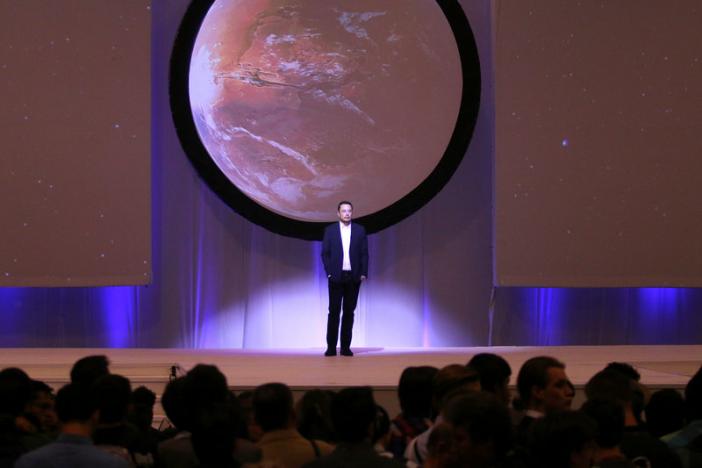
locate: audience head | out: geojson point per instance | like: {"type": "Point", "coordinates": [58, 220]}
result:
{"type": "Point", "coordinates": [353, 412]}
{"type": "Point", "coordinates": [693, 397]}
{"type": "Point", "coordinates": [112, 393]}
{"type": "Point", "coordinates": [494, 372]}
{"type": "Point", "coordinates": [624, 368]}
{"type": "Point", "coordinates": [610, 384]}
{"type": "Point", "coordinates": [15, 390]}
{"type": "Point", "coordinates": [608, 416]}
{"type": "Point", "coordinates": [563, 439]}
{"type": "Point", "coordinates": [88, 369]}
{"type": "Point", "coordinates": [415, 391]}
{"type": "Point", "coordinates": [75, 404]}
{"type": "Point", "coordinates": [638, 397]}
{"type": "Point", "coordinates": [381, 426]}
{"type": "Point", "coordinates": [453, 379]}
{"type": "Point", "coordinates": [482, 428]}
{"type": "Point", "coordinates": [273, 406]}
{"type": "Point", "coordinates": [173, 403]}
{"type": "Point", "coordinates": [142, 408]}
{"type": "Point", "coordinates": [313, 413]}
{"type": "Point", "coordinates": [204, 385]}
{"type": "Point", "coordinates": [250, 429]}
{"type": "Point", "coordinates": [544, 386]}
{"type": "Point", "coordinates": [41, 406]}
{"type": "Point", "coordinates": [665, 412]}
{"type": "Point", "coordinates": [214, 434]}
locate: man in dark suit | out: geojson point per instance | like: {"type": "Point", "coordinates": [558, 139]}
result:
{"type": "Point", "coordinates": [345, 258]}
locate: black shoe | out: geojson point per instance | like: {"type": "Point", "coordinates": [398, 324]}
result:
{"type": "Point", "coordinates": [346, 352]}
{"type": "Point", "coordinates": [330, 352]}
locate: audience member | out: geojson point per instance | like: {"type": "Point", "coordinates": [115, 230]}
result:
{"type": "Point", "coordinates": [448, 382]}
{"type": "Point", "coordinates": [543, 388]}
{"type": "Point", "coordinates": [87, 370]}
{"type": "Point", "coordinates": [482, 429]}
{"type": "Point", "coordinates": [609, 419]}
{"type": "Point", "coordinates": [415, 394]}
{"type": "Point", "coordinates": [494, 372]}
{"type": "Point", "coordinates": [640, 392]}
{"type": "Point", "coordinates": [15, 429]}
{"type": "Point", "coordinates": [281, 442]}
{"type": "Point", "coordinates": [637, 441]}
{"type": "Point", "coordinates": [563, 439]}
{"type": "Point", "coordinates": [665, 412]}
{"type": "Point", "coordinates": [74, 447]}
{"type": "Point", "coordinates": [687, 442]}
{"type": "Point", "coordinates": [381, 432]}
{"type": "Point", "coordinates": [206, 387]}
{"type": "Point", "coordinates": [41, 408]}
{"type": "Point", "coordinates": [178, 451]}
{"type": "Point", "coordinates": [113, 433]}
{"type": "Point", "coordinates": [314, 415]}
{"type": "Point", "coordinates": [141, 416]}
{"type": "Point", "coordinates": [215, 433]}
{"type": "Point", "coordinates": [251, 430]}
{"type": "Point", "coordinates": [353, 412]}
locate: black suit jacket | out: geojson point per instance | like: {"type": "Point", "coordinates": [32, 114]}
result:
{"type": "Point", "coordinates": [333, 252]}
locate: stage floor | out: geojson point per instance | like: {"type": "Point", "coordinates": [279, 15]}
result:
{"type": "Point", "coordinates": [660, 366]}
{"type": "Point", "coordinates": [380, 368]}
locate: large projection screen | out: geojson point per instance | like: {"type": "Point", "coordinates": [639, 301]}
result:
{"type": "Point", "coordinates": [75, 123]}
{"type": "Point", "coordinates": [598, 155]}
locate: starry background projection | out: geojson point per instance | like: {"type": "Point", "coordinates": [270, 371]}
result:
{"type": "Point", "coordinates": [598, 153]}
{"type": "Point", "coordinates": [75, 115]}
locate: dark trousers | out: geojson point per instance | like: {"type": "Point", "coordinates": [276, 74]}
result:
{"type": "Point", "coordinates": [342, 295]}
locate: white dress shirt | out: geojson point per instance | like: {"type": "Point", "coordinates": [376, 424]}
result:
{"type": "Point", "coordinates": [345, 245]}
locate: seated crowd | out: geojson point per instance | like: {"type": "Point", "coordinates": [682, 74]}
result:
{"type": "Point", "coordinates": [457, 416]}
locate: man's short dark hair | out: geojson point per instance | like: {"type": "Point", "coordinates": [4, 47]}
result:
{"type": "Point", "coordinates": [624, 368]}
{"type": "Point", "coordinates": [450, 379]}
{"type": "Point", "coordinates": [344, 202]}
{"type": "Point", "coordinates": [173, 402]}
{"type": "Point", "coordinates": [534, 373]}
{"type": "Point", "coordinates": [493, 370]}
{"type": "Point", "coordinates": [87, 370]}
{"type": "Point", "coordinates": [353, 411]}
{"type": "Point", "coordinates": [74, 403]}
{"type": "Point", "coordinates": [484, 418]}
{"type": "Point", "coordinates": [608, 414]}
{"type": "Point", "coordinates": [112, 394]}
{"type": "Point", "coordinates": [415, 390]}
{"type": "Point", "coordinates": [610, 384]}
{"type": "Point", "coordinates": [143, 396]}
{"type": "Point", "coordinates": [273, 405]}
{"type": "Point", "coordinates": [15, 390]}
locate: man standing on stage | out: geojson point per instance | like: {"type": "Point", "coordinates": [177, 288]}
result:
{"type": "Point", "coordinates": [345, 258]}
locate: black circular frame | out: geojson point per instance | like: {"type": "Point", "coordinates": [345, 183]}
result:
{"type": "Point", "coordinates": [374, 222]}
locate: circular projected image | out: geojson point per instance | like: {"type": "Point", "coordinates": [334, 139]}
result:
{"type": "Point", "coordinates": [302, 103]}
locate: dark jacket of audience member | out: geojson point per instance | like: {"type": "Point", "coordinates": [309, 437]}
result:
{"type": "Point", "coordinates": [563, 440]}
{"type": "Point", "coordinates": [637, 443]}
{"type": "Point", "coordinates": [353, 412]}
{"type": "Point", "coordinates": [415, 394]}
{"type": "Point", "coordinates": [476, 433]}
{"type": "Point", "coordinates": [73, 448]}
{"type": "Point", "coordinates": [281, 442]}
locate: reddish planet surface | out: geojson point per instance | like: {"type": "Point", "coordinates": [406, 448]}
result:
{"type": "Point", "coordinates": [305, 103]}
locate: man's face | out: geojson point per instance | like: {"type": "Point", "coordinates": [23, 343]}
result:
{"type": "Point", "coordinates": [345, 212]}
{"type": "Point", "coordinates": [558, 393]}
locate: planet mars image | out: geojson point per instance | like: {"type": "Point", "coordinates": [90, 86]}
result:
{"type": "Point", "coordinates": [305, 103]}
